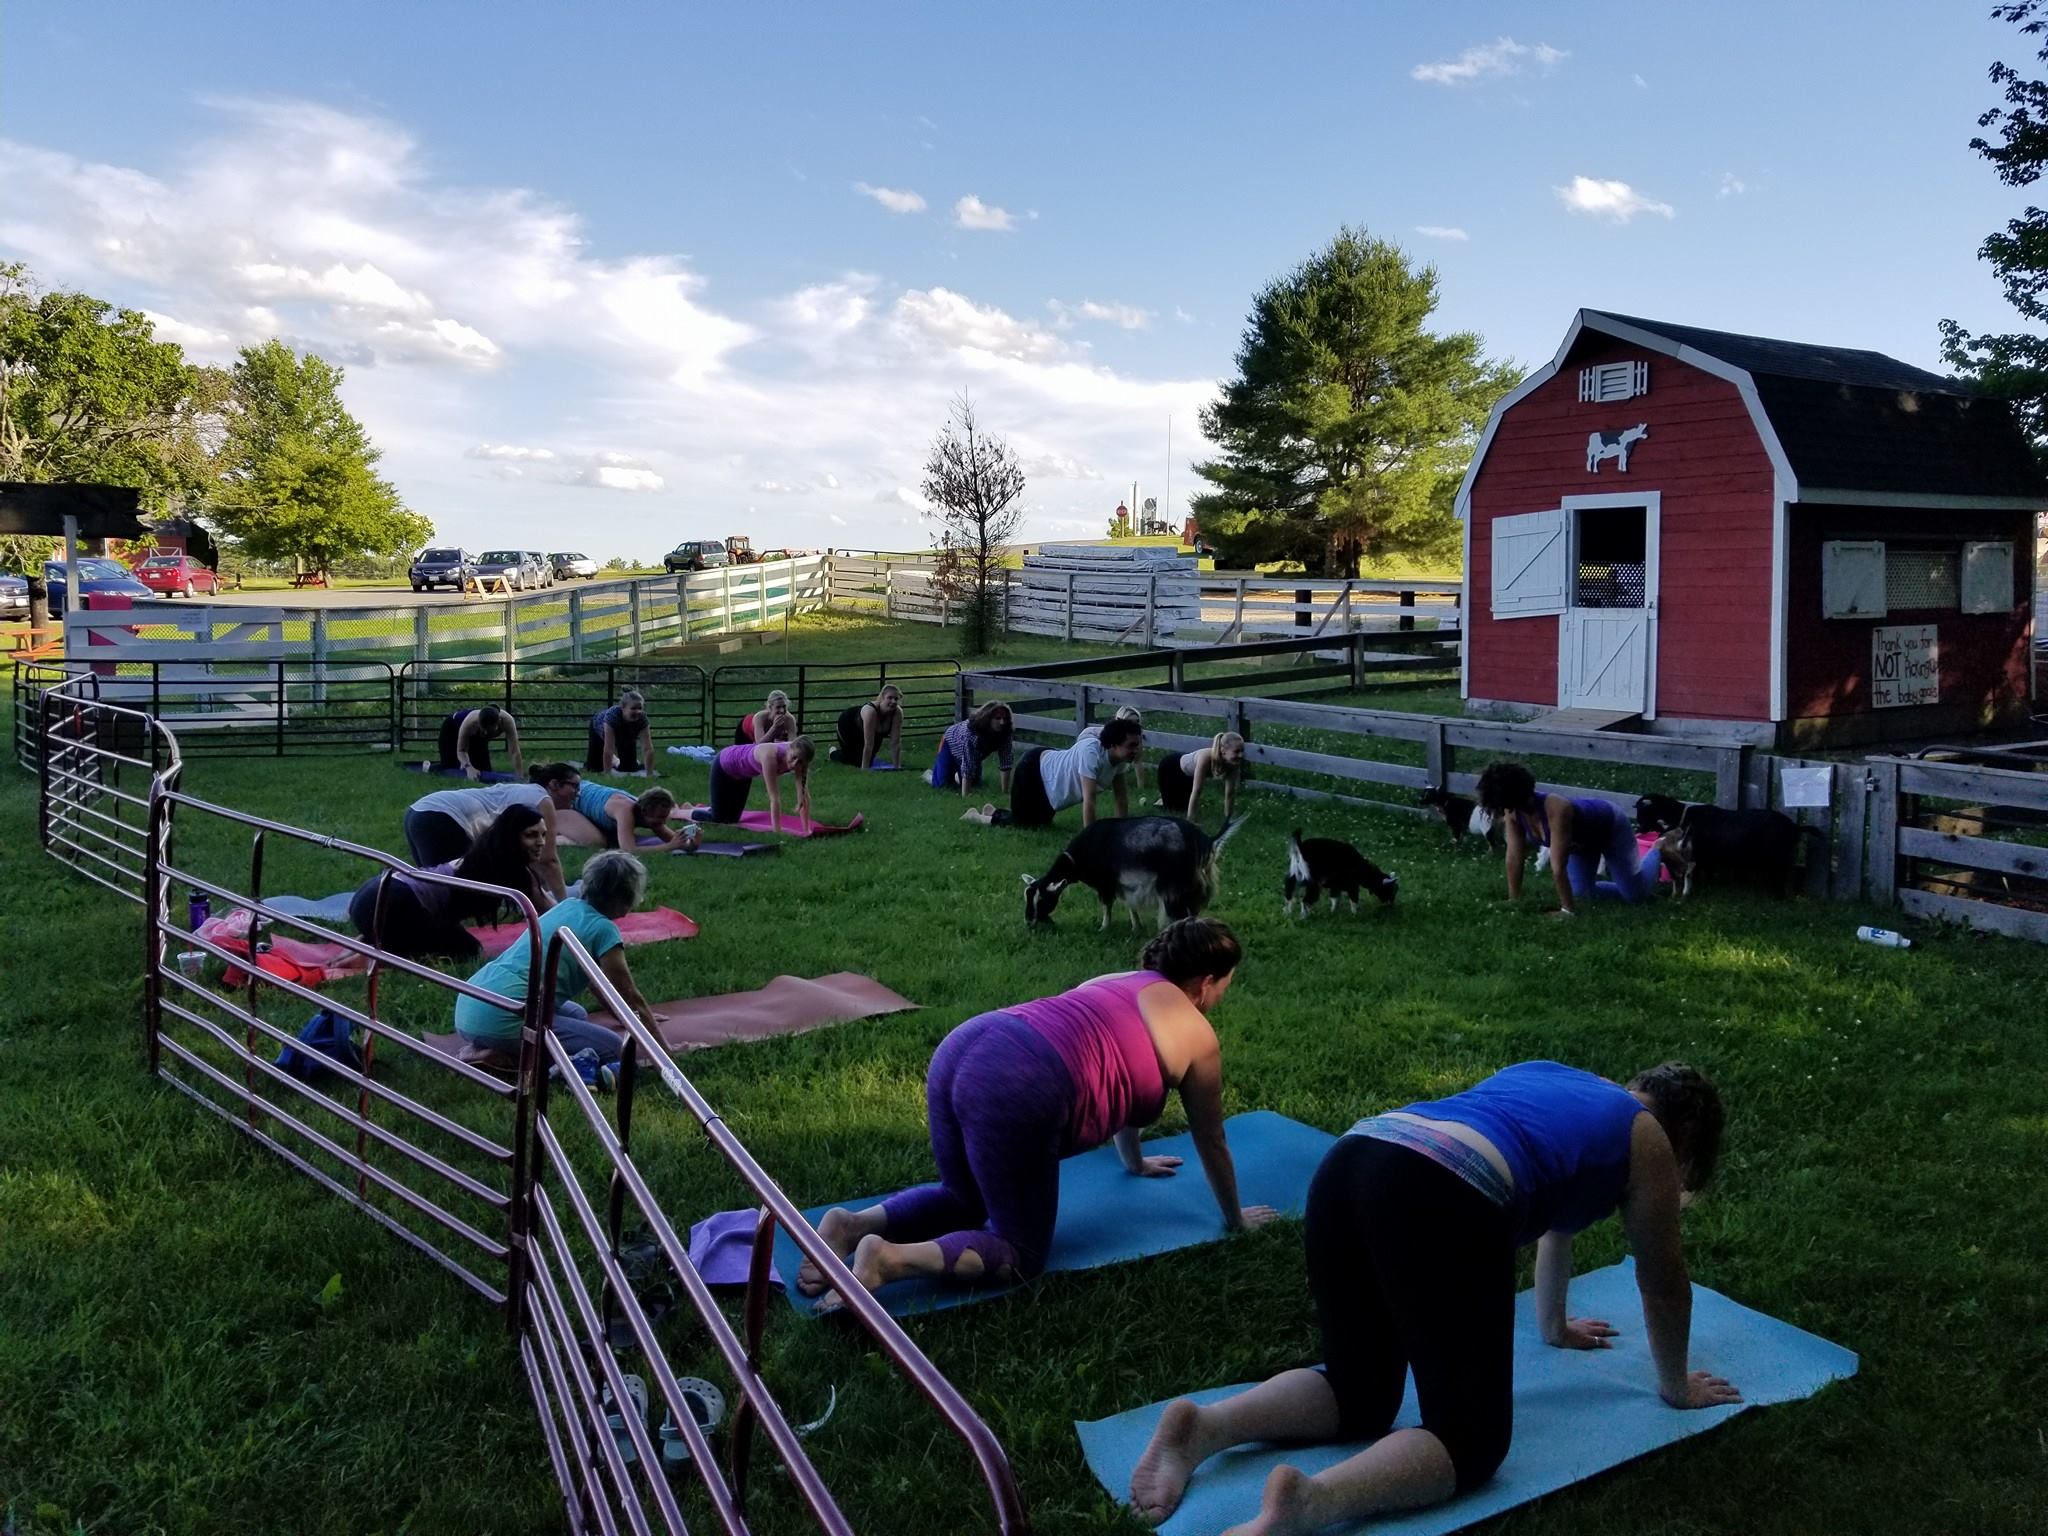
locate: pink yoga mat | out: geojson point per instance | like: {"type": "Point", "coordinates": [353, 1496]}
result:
{"type": "Point", "coordinates": [635, 927]}
{"type": "Point", "coordinates": [788, 1005]}
{"type": "Point", "coordinates": [757, 821]}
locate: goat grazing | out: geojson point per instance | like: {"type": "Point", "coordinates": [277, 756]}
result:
{"type": "Point", "coordinates": [1318, 864]}
{"type": "Point", "coordinates": [1165, 862]}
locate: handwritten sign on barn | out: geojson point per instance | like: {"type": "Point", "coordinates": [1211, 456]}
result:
{"type": "Point", "coordinates": [1904, 666]}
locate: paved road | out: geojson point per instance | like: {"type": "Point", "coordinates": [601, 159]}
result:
{"type": "Point", "coordinates": [398, 596]}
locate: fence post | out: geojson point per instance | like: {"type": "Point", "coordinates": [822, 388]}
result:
{"type": "Point", "coordinates": [1151, 608]}
{"type": "Point", "coordinates": [1177, 672]}
{"type": "Point", "coordinates": [633, 610]}
{"type": "Point", "coordinates": [1356, 642]}
{"type": "Point", "coordinates": [1407, 610]}
{"type": "Point", "coordinates": [760, 595]}
{"type": "Point", "coordinates": [575, 626]}
{"type": "Point", "coordinates": [1883, 868]}
{"type": "Point", "coordinates": [422, 636]}
{"type": "Point", "coordinates": [1084, 710]}
{"type": "Point", "coordinates": [1852, 793]}
{"type": "Point", "coordinates": [1236, 631]}
{"type": "Point", "coordinates": [1304, 607]}
{"type": "Point", "coordinates": [319, 655]}
{"type": "Point", "coordinates": [1433, 756]}
{"type": "Point", "coordinates": [683, 604]}
{"type": "Point", "coordinates": [510, 648]}
{"type": "Point", "coordinates": [1728, 775]}
{"type": "Point", "coordinates": [725, 618]}
{"type": "Point", "coordinates": [1070, 605]}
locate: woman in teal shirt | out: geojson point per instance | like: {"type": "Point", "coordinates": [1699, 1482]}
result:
{"type": "Point", "coordinates": [593, 815]}
{"type": "Point", "coordinates": [613, 884]}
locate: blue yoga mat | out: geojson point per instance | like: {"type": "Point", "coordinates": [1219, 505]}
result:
{"type": "Point", "coordinates": [327, 909]}
{"type": "Point", "coordinates": [1577, 1412]}
{"type": "Point", "coordinates": [1107, 1216]}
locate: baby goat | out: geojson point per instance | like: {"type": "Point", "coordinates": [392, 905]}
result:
{"type": "Point", "coordinates": [1318, 864]}
{"type": "Point", "coordinates": [1145, 861]}
{"type": "Point", "coordinates": [1462, 816]}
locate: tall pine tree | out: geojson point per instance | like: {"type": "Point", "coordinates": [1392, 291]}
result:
{"type": "Point", "coordinates": [1349, 423]}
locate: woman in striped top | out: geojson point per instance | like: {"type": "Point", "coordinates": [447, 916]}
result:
{"type": "Point", "coordinates": [989, 732]}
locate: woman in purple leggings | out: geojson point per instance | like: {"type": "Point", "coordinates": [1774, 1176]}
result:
{"type": "Point", "coordinates": [1011, 1093]}
{"type": "Point", "coordinates": [1578, 832]}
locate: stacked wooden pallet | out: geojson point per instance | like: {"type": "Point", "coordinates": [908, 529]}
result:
{"type": "Point", "coordinates": [1131, 594]}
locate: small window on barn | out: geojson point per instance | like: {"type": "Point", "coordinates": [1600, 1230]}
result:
{"type": "Point", "coordinates": [1613, 560]}
{"type": "Point", "coordinates": [1922, 577]}
{"type": "Point", "coordinates": [1987, 577]}
{"type": "Point", "coordinates": [1614, 381]}
{"type": "Point", "coordinates": [1852, 579]}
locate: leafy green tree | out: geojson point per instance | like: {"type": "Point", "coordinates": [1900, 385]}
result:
{"type": "Point", "coordinates": [87, 393]}
{"type": "Point", "coordinates": [1349, 423]}
{"type": "Point", "coordinates": [299, 477]}
{"type": "Point", "coordinates": [2014, 367]}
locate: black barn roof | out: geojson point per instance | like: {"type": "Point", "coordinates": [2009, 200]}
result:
{"type": "Point", "coordinates": [103, 511]}
{"type": "Point", "coordinates": [1853, 420]}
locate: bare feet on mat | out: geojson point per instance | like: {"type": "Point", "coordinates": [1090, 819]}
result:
{"type": "Point", "coordinates": [1162, 1473]}
{"type": "Point", "coordinates": [838, 1229]}
{"type": "Point", "coordinates": [870, 1266]}
{"type": "Point", "coordinates": [1288, 1508]}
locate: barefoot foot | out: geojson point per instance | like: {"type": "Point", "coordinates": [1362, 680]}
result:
{"type": "Point", "coordinates": [1162, 1473]}
{"type": "Point", "coordinates": [840, 1232]}
{"type": "Point", "coordinates": [870, 1266]}
{"type": "Point", "coordinates": [1287, 1509]}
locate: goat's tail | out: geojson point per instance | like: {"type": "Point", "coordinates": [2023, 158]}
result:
{"type": "Point", "coordinates": [1229, 831]}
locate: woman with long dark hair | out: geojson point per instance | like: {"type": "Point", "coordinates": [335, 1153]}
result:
{"type": "Point", "coordinates": [406, 915]}
{"type": "Point", "coordinates": [990, 732]}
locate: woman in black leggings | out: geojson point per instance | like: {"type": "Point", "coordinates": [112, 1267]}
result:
{"type": "Point", "coordinates": [1412, 1226]}
{"type": "Point", "coordinates": [406, 915]}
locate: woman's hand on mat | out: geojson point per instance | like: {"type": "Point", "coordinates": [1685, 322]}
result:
{"type": "Point", "coordinates": [1158, 1167]}
{"type": "Point", "coordinates": [1703, 1389]}
{"type": "Point", "coordinates": [1584, 1333]}
{"type": "Point", "coordinates": [1255, 1216]}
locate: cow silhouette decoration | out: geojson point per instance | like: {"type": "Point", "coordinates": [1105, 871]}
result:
{"type": "Point", "coordinates": [1613, 445]}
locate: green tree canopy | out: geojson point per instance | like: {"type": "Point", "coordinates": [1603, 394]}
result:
{"type": "Point", "coordinates": [1349, 423]}
{"type": "Point", "coordinates": [2014, 367]}
{"type": "Point", "coordinates": [299, 477]}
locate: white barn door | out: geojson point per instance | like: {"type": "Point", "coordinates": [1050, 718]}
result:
{"type": "Point", "coordinates": [1607, 651]}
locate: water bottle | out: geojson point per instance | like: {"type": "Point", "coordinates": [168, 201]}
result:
{"type": "Point", "coordinates": [1884, 936]}
{"type": "Point", "coordinates": [198, 908]}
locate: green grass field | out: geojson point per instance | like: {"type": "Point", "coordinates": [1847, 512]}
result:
{"type": "Point", "coordinates": [195, 1339]}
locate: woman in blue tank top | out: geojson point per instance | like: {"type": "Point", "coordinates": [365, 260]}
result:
{"type": "Point", "coordinates": [1578, 832]}
{"type": "Point", "coordinates": [1413, 1222]}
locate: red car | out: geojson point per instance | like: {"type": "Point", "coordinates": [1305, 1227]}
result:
{"type": "Point", "coordinates": [173, 574]}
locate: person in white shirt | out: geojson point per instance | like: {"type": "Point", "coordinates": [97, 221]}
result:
{"type": "Point", "coordinates": [441, 826]}
{"type": "Point", "coordinates": [1049, 779]}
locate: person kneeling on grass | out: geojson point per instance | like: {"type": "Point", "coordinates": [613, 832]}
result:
{"type": "Point", "coordinates": [1413, 1222]}
{"type": "Point", "coordinates": [613, 884]}
{"type": "Point", "coordinates": [466, 737]}
{"type": "Point", "coordinates": [733, 773]}
{"type": "Point", "coordinates": [1182, 775]}
{"type": "Point", "coordinates": [621, 740]}
{"type": "Point", "coordinates": [987, 733]}
{"type": "Point", "coordinates": [405, 915]}
{"type": "Point", "coordinates": [863, 729]}
{"type": "Point", "coordinates": [1049, 779]}
{"type": "Point", "coordinates": [1578, 832]}
{"type": "Point", "coordinates": [593, 815]}
{"type": "Point", "coordinates": [1012, 1092]}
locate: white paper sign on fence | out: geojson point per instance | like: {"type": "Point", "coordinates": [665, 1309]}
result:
{"type": "Point", "coordinates": [1905, 666]}
{"type": "Point", "coordinates": [1803, 788]}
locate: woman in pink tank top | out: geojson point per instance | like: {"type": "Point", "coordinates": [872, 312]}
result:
{"type": "Point", "coordinates": [1011, 1093]}
{"type": "Point", "coordinates": [736, 767]}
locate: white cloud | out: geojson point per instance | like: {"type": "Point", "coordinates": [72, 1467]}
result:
{"type": "Point", "coordinates": [1641, 83]}
{"type": "Point", "coordinates": [1442, 232]}
{"type": "Point", "coordinates": [836, 520]}
{"type": "Point", "coordinates": [894, 199]}
{"type": "Point", "coordinates": [829, 481]}
{"type": "Point", "coordinates": [972, 213]}
{"type": "Point", "coordinates": [780, 488]}
{"type": "Point", "coordinates": [1731, 185]}
{"type": "Point", "coordinates": [1182, 316]}
{"type": "Point", "coordinates": [1054, 466]}
{"type": "Point", "coordinates": [512, 451]}
{"type": "Point", "coordinates": [951, 320]}
{"type": "Point", "coordinates": [193, 338]}
{"type": "Point", "coordinates": [1502, 56]}
{"type": "Point", "coordinates": [605, 477]}
{"type": "Point", "coordinates": [1127, 317]}
{"type": "Point", "coordinates": [600, 470]}
{"type": "Point", "coordinates": [1614, 200]}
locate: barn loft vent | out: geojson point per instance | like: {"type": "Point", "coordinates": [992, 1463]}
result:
{"type": "Point", "coordinates": [1614, 381]}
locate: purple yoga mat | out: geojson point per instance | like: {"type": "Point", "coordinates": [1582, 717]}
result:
{"type": "Point", "coordinates": [721, 1248]}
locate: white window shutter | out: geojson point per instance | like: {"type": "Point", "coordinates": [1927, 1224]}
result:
{"type": "Point", "coordinates": [1852, 579]}
{"type": "Point", "coordinates": [1530, 572]}
{"type": "Point", "coordinates": [1987, 577]}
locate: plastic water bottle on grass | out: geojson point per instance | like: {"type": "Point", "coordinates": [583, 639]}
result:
{"type": "Point", "coordinates": [1883, 936]}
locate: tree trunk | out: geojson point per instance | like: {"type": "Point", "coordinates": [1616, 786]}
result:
{"type": "Point", "coordinates": [38, 602]}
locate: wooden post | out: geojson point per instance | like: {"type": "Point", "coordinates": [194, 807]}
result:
{"type": "Point", "coordinates": [760, 595]}
{"type": "Point", "coordinates": [1852, 794]}
{"type": "Point", "coordinates": [683, 604]}
{"type": "Point", "coordinates": [1151, 608]}
{"type": "Point", "coordinates": [511, 641]}
{"type": "Point", "coordinates": [1304, 607]}
{"type": "Point", "coordinates": [1436, 756]}
{"type": "Point", "coordinates": [1070, 605]}
{"type": "Point", "coordinates": [1407, 610]}
{"type": "Point", "coordinates": [575, 626]}
{"type": "Point", "coordinates": [725, 618]}
{"type": "Point", "coordinates": [1236, 631]}
{"type": "Point", "coordinates": [1084, 709]}
{"type": "Point", "coordinates": [633, 615]}
{"type": "Point", "coordinates": [1177, 672]}
{"type": "Point", "coordinates": [422, 636]}
{"type": "Point", "coordinates": [1357, 645]}
{"type": "Point", "coordinates": [1882, 870]}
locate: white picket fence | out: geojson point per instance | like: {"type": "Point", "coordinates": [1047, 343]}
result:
{"type": "Point", "coordinates": [577, 623]}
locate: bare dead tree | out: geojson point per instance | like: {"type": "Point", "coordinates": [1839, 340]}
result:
{"type": "Point", "coordinates": [974, 491]}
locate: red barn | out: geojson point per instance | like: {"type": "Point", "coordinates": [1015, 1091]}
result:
{"type": "Point", "coordinates": [1802, 543]}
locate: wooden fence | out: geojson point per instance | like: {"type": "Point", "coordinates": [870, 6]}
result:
{"type": "Point", "coordinates": [1962, 841]}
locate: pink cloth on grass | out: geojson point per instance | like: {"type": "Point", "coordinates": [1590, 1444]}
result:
{"type": "Point", "coordinates": [635, 928]}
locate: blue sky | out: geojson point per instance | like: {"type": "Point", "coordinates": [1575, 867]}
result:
{"type": "Point", "coordinates": [613, 276]}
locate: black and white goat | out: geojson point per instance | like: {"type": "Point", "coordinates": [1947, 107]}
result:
{"type": "Point", "coordinates": [1165, 862]}
{"type": "Point", "coordinates": [1318, 864]}
{"type": "Point", "coordinates": [1462, 816]}
{"type": "Point", "coordinates": [1756, 848]}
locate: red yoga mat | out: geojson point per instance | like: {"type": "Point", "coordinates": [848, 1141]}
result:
{"type": "Point", "coordinates": [635, 928]}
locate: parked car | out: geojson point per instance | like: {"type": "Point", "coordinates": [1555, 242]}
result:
{"type": "Point", "coordinates": [740, 549]}
{"type": "Point", "coordinates": [543, 565]}
{"type": "Point", "coordinates": [173, 573]}
{"type": "Point", "coordinates": [514, 566]}
{"type": "Point", "coordinates": [567, 565]}
{"type": "Point", "coordinates": [441, 567]}
{"type": "Point", "coordinates": [97, 577]}
{"type": "Point", "coordinates": [695, 555]}
{"type": "Point", "coordinates": [13, 596]}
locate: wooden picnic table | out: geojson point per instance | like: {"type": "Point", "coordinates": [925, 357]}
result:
{"type": "Point", "coordinates": [310, 579]}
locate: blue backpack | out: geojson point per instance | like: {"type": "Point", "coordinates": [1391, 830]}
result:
{"type": "Point", "coordinates": [326, 1038]}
